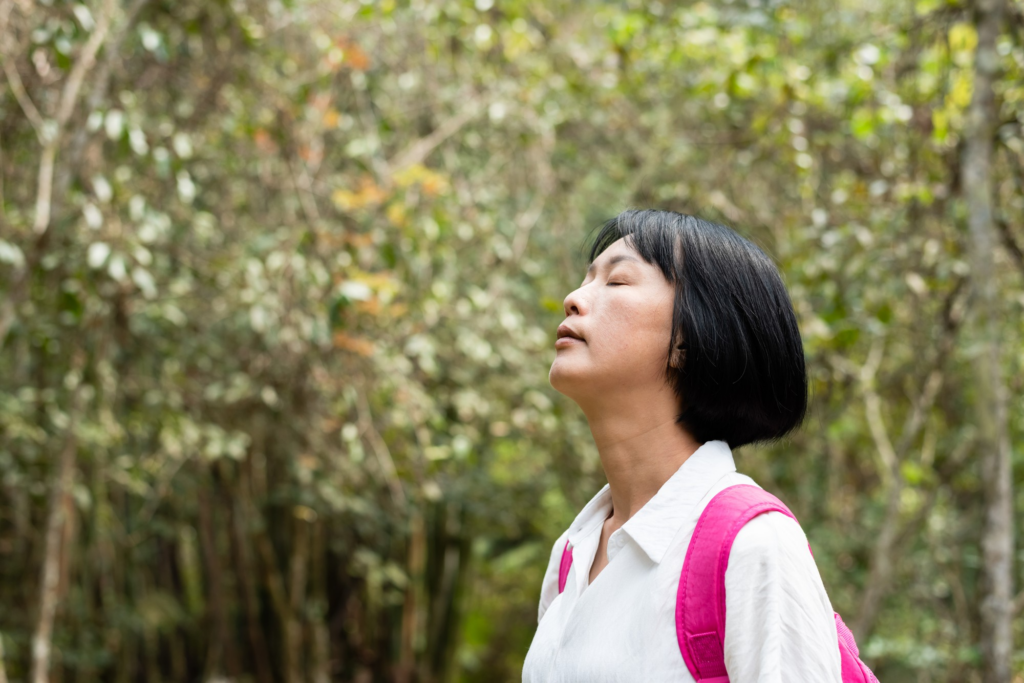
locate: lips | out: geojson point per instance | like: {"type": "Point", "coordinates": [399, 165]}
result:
{"type": "Point", "coordinates": [566, 331]}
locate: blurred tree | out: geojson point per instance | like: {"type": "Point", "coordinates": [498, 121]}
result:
{"type": "Point", "coordinates": [991, 400]}
{"type": "Point", "coordinates": [279, 290]}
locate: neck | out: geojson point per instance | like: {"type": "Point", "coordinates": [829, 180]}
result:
{"type": "Point", "coordinates": [640, 446]}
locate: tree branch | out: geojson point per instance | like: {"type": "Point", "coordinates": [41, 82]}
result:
{"type": "Point", "coordinates": [873, 412]}
{"type": "Point", "coordinates": [45, 177]}
{"type": "Point", "coordinates": [11, 71]}
{"type": "Point", "coordinates": [419, 150]}
{"type": "Point", "coordinates": [1018, 603]}
{"type": "Point", "coordinates": [97, 95]}
{"type": "Point", "coordinates": [544, 185]}
{"type": "Point", "coordinates": [882, 562]}
{"type": "Point", "coordinates": [1010, 242]}
{"type": "Point", "coordinates": [66, 107]}
{"type": "Point", "coordinates": [380, 449]}
{"type": "Point", "coordinates": [1005, 233]}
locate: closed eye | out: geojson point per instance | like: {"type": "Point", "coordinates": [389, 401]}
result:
{"type": "Point", "coordinates": [612, 284]}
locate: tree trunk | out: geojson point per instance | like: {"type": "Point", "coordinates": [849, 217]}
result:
{"type": "Point", "coordinates": [413, 609]}
{"type": "Point", "coordinates": [990, 393]}
{"type": "Point", "coordinates": [216, 617]}
{"type": "Point", "coordinates": [50, 574]}
{"type": "Point", "coordinates": [244, 560]}
{"type": "Point", "coordinates": [320, 637]}
{"type": "Point", "coordinates": [298, 565]}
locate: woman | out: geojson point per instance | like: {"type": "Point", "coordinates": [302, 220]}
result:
{"type": "Point", "coordinates": [680, 345]}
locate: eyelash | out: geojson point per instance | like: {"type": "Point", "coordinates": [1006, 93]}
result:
{"type": "Point", "coordinates": [610, 284]}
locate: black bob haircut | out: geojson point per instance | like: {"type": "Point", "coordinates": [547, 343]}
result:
{"type": "Point", "coordinates": [743, 378]}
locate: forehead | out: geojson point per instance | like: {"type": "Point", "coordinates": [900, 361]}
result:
{"type": "Point", "coordinates": [617, 251]}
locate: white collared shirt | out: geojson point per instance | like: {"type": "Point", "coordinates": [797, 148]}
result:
{"type": "Point", "coordinates": [779, 621]}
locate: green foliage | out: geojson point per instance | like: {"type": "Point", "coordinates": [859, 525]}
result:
{"type": "Point", "coordinates": [294, 310]}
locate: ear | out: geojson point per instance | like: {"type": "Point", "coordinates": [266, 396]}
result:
{"type": "Point", "coordinates": [678, 358]}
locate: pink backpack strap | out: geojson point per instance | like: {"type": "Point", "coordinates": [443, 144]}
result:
{"type": "Point", "coordinates": [700, 600]}
{"type": "Point", "coordinates": [563, 568]}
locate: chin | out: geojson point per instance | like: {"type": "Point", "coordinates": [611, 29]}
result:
{"type": "Point", "coordinates": [562, 378]}
{"type": "Point", "coordinates": [570, 378]}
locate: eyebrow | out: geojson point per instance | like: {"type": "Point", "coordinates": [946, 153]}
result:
{"type": "Point", "coordinates": [613, 260]}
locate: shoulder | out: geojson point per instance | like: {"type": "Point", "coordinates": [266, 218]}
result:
{"type": "Point", "coordinates": [766, 536]}
{"type": "Point", "coordinates": [771, 535]}
{"type": "Point", "coordinates": [770, 557]}
{"type": "Point", "coordinates": [772, 547]}
{"type": "Point", "coordinates": [778, 615]}
{"type": "Point", "coordinates": [549, 585]}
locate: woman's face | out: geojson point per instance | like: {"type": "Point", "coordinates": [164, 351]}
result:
{"type": "Point", "coordinates": [623, 314]}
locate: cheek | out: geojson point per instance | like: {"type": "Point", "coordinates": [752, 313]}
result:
{"type": "Point", "coordinates": [638, 333]}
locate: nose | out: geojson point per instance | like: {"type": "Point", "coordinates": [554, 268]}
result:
{"type": "Point", "coordinates": [573, 303]}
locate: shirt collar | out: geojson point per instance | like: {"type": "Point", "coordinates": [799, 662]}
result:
{"type": "Point", "coordinates": [654, 525]}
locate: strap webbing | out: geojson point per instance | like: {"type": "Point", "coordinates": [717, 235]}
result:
{"type": "Point", "coordinates": [563, 568]}
{"type": "Point", "coordinates": [700, 599]}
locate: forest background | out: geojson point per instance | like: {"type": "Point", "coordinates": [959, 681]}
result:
{"type": "Point", "coordinates": [279, 283]}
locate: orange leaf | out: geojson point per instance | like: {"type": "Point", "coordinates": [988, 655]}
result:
{"type": "Point", "coordinates": [363, 347]}
{"type": "Point", "coordinates": [371, 306]}
{"type": "Point", "coordinates": [356, 58]}
{"type": "Point", "coordinates": [433, 185]}
{"type": "Point", "coordinates": [354, 55]}
{"type": "Point", "coordinates": [359, 239]}
{"type": "Point", "coordinates": [368, 194]}
{"type": "Point", "coordinates": [263, 141]}
{"type": "Point", "coordinates": [320, 101]}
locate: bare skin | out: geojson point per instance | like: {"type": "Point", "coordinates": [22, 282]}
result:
{"type": "Point", "coordinates": [623, 312]}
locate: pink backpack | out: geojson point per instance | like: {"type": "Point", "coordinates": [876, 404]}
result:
{"type": "Point", "coordinates": [700, 599]}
